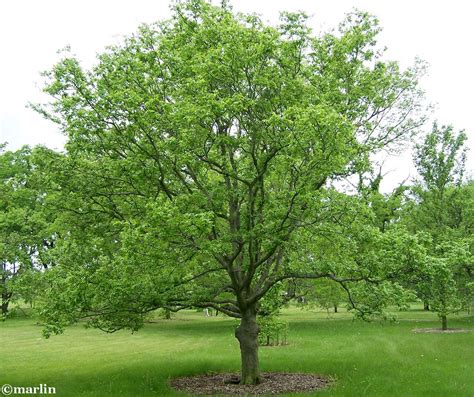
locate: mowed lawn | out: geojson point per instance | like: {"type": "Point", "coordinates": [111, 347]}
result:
{"type": "Point", "coordinates": [366, 359]}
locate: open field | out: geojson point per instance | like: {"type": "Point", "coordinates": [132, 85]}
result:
{"type": "Point", "coordinates": [367, 359]}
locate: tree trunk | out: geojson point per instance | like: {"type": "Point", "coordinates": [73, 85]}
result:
{"type": "Point", "coordinates": [3, 289]}
{"type": "Point", "coordinates": [444, 322]}
{"type": "Point", "coordinates": [335, 308]}
{"type": "Point", "coordinates": [426, 306]}
{"type": "Point", "coordinates": [247, 335]}
{"type": "Point", "coordinates": [5, 302]}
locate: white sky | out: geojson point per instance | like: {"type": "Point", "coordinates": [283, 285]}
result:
{"type": "Point", "coordinates": [31, 32]}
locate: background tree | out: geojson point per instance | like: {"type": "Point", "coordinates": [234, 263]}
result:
{"type": "Point", "coordinates": [442, 208]}
{"type": "Point", "coordinates": [440, 161]}
{"type": "Point", "coordinates": [325, 293]}
{"type": "Point", "coordinates": [24, 224]}
{"type": "Point", "coordinates": [199, 161]}
{"type": "Point", "coordinates": [387, 207]}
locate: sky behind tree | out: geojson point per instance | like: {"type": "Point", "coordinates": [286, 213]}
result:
{"type": "Point", "coordinates": [32, 32]}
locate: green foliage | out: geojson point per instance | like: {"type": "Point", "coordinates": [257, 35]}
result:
{"type": "Point", "coordinates": [273, 331]}
{"type": "Point", "coordinates": [200, 161]}
{"type": "Point", "coordinates": [442, 209]}
{"type": "Point", "coordinates": [25, 233]}
{"type": "Point", "coordinates": [444, 294]}
{"type": "Point", "coordinates": [387, 208]}
{"type": "Point", "coordinates": [165, 314]}
{"type": "Point", "coordinates": [324, 293]}
{"type": "Point", "coordinates": [274, 299]}
{"type": "Point", "coordinates": [441, 158]}
{"type": "Point", "coordinates": [329, 294]}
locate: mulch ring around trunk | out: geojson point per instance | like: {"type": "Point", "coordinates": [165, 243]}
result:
{"type": "Point", "coordinates": [272, 383]}
{"type": "Point", "coordinates": [440, 331]}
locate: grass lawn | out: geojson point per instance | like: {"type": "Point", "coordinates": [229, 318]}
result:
{"type": "Point", "coordinates": [366, 359]}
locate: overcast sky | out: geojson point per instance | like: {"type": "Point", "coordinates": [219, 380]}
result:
{"type": "Point", "coordinates": [31, 32]}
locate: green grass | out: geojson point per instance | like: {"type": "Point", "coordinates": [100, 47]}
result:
{"type": "Point", "coordinates": [367, 359]}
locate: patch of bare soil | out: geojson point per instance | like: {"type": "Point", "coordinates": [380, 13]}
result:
{"type": "Point", "coordinates": [272, 383]}
{"type": "Point", "coordinates": [440, 331]}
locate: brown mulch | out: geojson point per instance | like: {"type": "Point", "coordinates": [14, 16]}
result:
{"type": "Point", "coordinates": [272, 383]}
{"type": "Point", "coordinates": [440, 331]}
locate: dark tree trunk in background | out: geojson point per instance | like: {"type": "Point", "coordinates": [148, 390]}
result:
{"type": "Point", "coordinates": [247, 335]}
{"type": "Point", "coordinates": [426, 306]}
{"type": "Point", "coordinates": [4, 292]}
{"type": "Point", "coordinates": [444, 322]}
{"type": "Point", "coordinates": [4, 308]}
{"type": "Point", "coordinates": [5, 301]}
{"type": "Point", "coordinates": [335, 308]}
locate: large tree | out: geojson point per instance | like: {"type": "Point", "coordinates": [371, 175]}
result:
{"type": "Point", "coordinates": [199, 164]}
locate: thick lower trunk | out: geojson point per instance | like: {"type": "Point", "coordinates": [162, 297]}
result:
{"type": "Point", "coordinates": [247, 335]}
{"type": "Point", "coordinates": [426, 306]}
{"type": "Point", "coordinates": [5, 295]}
{"type": "Point", "coordinates": [335, 308]}
{"type": "Point", "coordinates": [444, 322]}
{"type": "Point", "coordinates": [5, 302]}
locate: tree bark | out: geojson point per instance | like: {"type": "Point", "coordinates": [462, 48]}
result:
{"type": "Point", "coordinates": [5, 302]}
{"type": "Point", "coordinates": [444, 322]}
{"type": "Point", "coordinates": [426, 306]}
{"type": "Point", "coordinates": [3, 288]}
{"type": "Point", "coordinates": [247, 335]}
{"type": "Point", "coordinates": [335, 308]}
